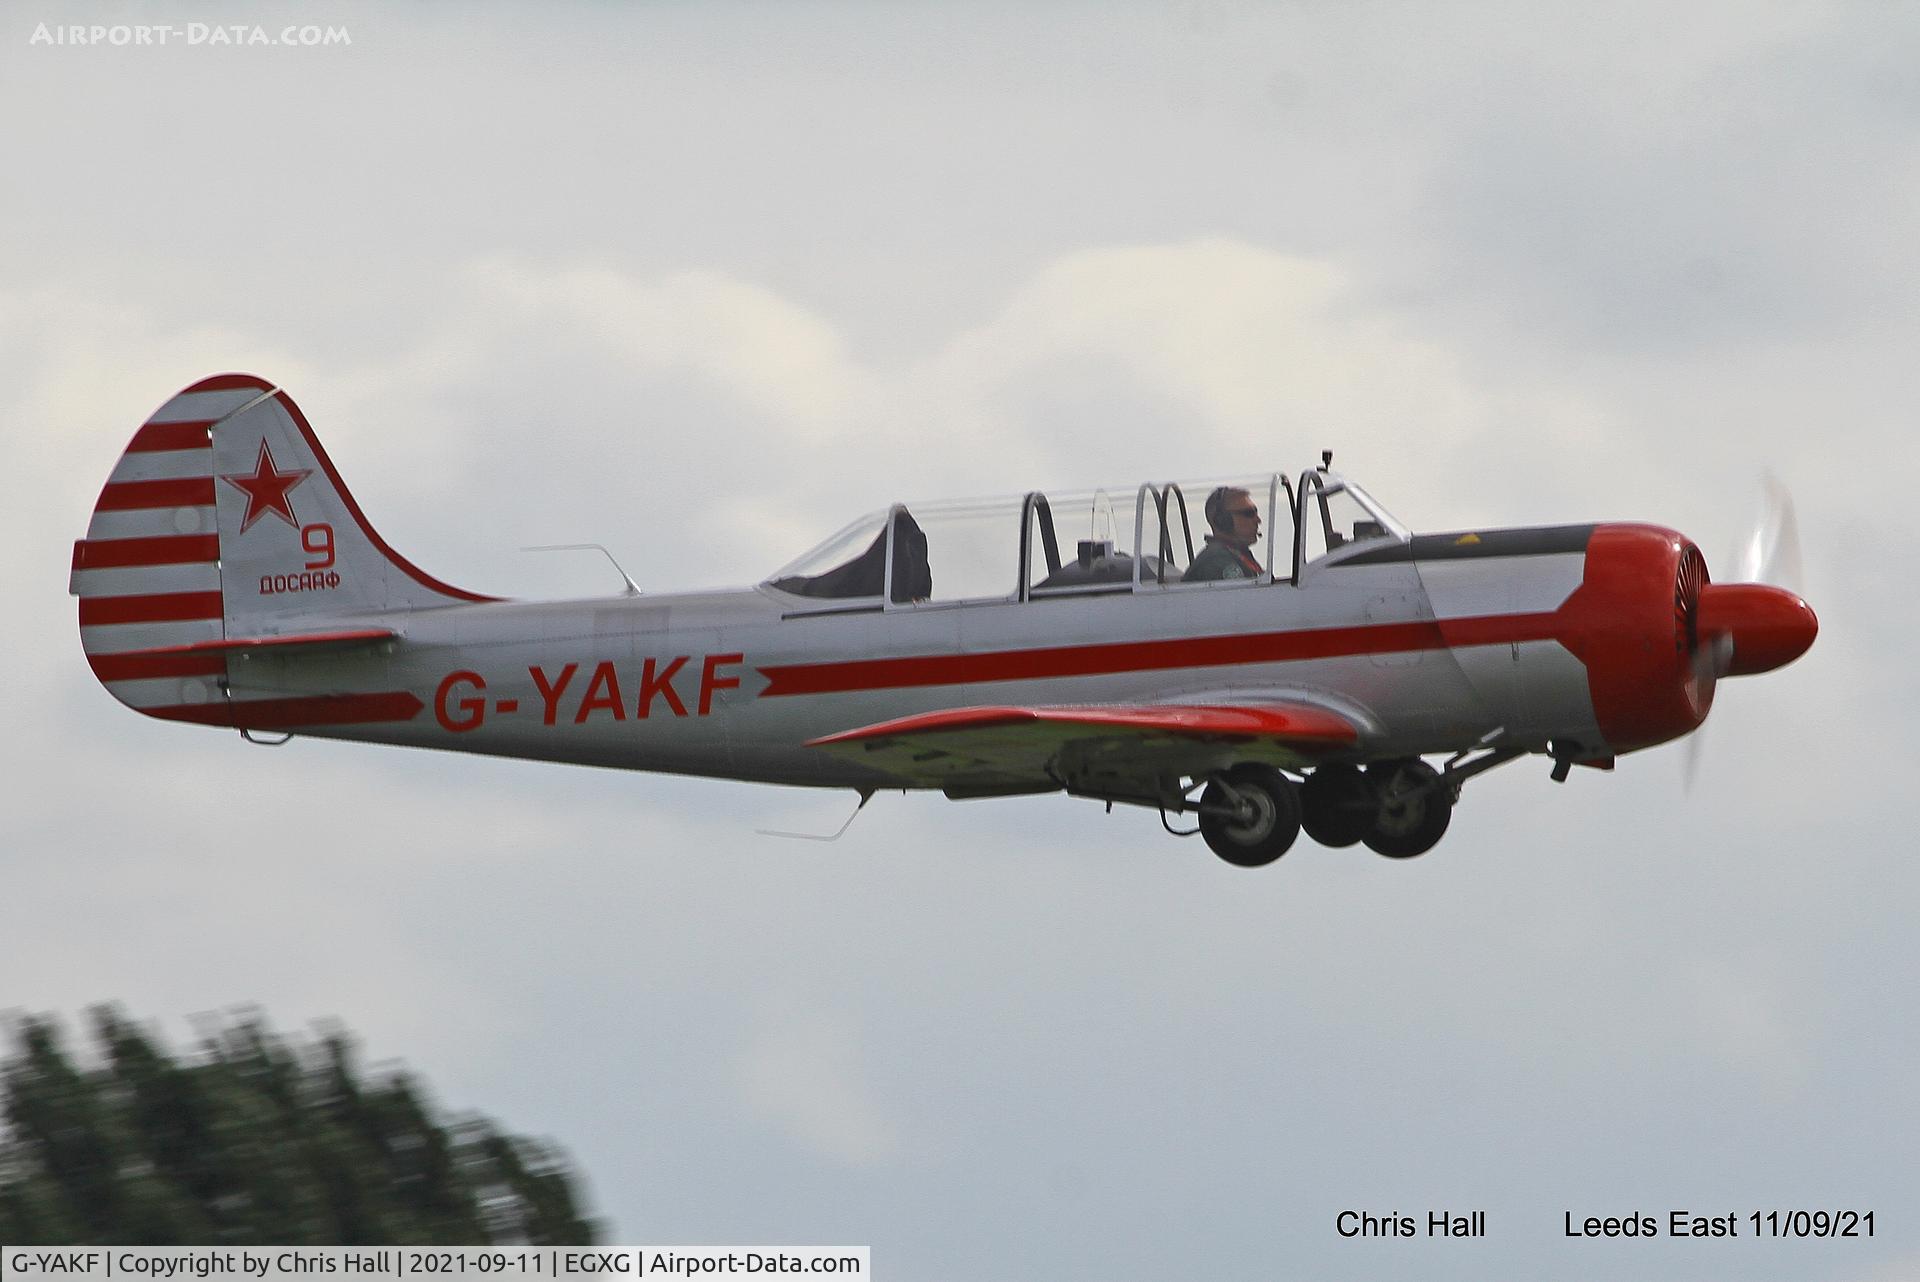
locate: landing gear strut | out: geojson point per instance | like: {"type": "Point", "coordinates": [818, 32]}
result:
{"type": "Point", "coordinates": [1250, 814]}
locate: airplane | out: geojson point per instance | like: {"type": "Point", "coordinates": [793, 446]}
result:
{"type": "Point", "coordinates": [1042, 643]}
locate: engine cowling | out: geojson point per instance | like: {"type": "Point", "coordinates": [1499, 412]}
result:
{"type": "Point", "coordinates": [1656, 634]}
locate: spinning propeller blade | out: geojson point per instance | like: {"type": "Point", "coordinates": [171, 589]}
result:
{"type": "Point", "coordinates": [1755, 621]}
{"type": "Point", "coordinates": [1771, 551]}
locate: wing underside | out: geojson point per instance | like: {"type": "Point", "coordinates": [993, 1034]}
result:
{"type": "Point", "coordinates": [1009, 748]}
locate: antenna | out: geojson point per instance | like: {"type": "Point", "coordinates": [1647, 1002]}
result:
{"type": "Point", "coordinates": [633, 589]}
{"type": "Point", "coordinates": [866, 795]}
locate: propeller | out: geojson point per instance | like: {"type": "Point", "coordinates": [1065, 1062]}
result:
{"type": "Point", "coordinates": [1771, 551]}
{"type": "Point", "coordinates": [1754, 621]}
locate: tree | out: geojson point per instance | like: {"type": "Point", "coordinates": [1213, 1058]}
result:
{"type": "Point", "coordinates": [256, 1139]}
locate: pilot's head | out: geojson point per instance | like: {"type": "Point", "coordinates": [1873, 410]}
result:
{"type": "Point", "coordinates": [1233, 515]}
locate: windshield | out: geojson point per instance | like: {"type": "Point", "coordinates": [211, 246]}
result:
{"type": "Point", "coordinates": [1336, 514]}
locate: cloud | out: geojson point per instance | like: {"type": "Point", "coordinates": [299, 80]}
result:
{"type": "Point", "coordinates": [804, 1072]}
{"type": "Point", "coordinates": [1739, 1015]}
{"type": "Point", "coordinates": [1902, 1268]}
{"type": "Point", "coordinates": [782, 359]}
{"type": "Point", "coordinates": [731, 427]}
{"type": "Point", "coordinates": [709, 429]}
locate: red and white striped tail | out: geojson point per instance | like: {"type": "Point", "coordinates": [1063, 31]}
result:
{"type": "Point", "coordinates": [224, 527]}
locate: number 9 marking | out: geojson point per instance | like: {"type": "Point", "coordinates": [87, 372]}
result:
{"type": "Point", "coordinates": [317, 539]}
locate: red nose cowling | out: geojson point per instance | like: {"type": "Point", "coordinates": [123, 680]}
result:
{"type": "Point", "coordinates": [1649, 626]}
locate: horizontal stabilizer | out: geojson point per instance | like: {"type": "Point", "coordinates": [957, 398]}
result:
{"type": "Point", "coordinates": [209, 658]}
{"type": "Point", "coordinates": [343, 639]}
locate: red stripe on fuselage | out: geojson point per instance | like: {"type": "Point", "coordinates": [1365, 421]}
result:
{"type": "Point", "coordinates": [169, 549]}
{"type": "Point", "coordinates": [1149, 656]}
{"type": "Point", "coordinates": [1501, 629]}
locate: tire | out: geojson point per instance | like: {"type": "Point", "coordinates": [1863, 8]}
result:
{"type": "Point", "coordinates": [1409, 818]}
{"type": "Point", "coordinates": [1336, 805]}
{"type": "Point", "coordinates": [1269, 833]}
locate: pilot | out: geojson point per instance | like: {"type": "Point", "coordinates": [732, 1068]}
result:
{"type": "Point", "coordinates": [1235, 522]}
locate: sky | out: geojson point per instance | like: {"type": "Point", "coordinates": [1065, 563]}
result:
{"type": "Point", "coordinates": [704, 282]}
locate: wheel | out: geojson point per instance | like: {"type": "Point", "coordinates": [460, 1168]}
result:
{"type": "Point", "coordinates": [1336, 805]}
{"type": "Point", "coordinates": [1409, 816]}
{"type": "Point", "coordinates": [1255, 822]}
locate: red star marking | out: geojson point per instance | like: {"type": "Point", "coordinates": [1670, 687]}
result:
{"type": "Point", "coordinates": [267, 489]}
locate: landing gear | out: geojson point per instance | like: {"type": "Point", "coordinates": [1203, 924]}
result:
{"type": "Point", "coordinates": [1336, 805]}
{"type": "Point", "coordinates": [1413, 806]}
{"type": "Point", "coordinates": [1250, 815]}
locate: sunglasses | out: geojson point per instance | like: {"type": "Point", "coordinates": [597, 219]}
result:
{"type": "Point", "coordinates": [1243, 511]}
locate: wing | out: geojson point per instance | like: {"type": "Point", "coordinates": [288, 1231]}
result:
{"type": "Point", "coordinates": [1001, 748]}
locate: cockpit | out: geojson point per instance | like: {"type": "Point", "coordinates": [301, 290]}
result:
{"type": "Point", "coordinates": [1172, 536]}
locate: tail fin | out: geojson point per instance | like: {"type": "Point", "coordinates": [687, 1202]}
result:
{"type": "Point", "coordinates": [225, 526]}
